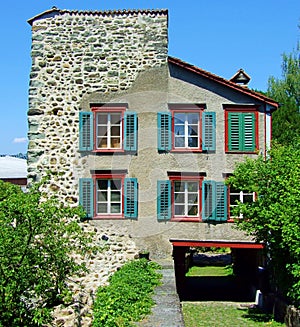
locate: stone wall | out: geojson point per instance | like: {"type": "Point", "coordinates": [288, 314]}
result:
{"type": "Point", "coordinates": [118, 248]}
{"type": "Point", "coordinates": [76, 53]}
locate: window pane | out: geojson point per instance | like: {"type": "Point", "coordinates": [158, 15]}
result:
{"type": "Point", "coordinates": [102, 130]}
{"type": "Point", "coordinates": [102, 142]}
{"type": "Point", "coordinates": [193, 186]}
{"type": "Point", "coordinates": [102, 208]}
{"type": "Point", "coordinates": [193, 142]}
{"type": "Point", "coordinates": [247, 198]}
{"type": "Point", "coordinates": [179, 130]}
{"type": "Point", "coordinates": [102, 196]}
{"type": "Point", "coordinates": [179, 118]}
{"type": "Point", "coordinates": [179, 210]}
{"type": "Point", "coordinates": [102, 184]}
{"type": "Point", "coordinates": [115, 131]}
{"type": "Point", "coordinates": [116, 208]}
{"type": "Point", "coordinates": [192, 210]}
{"type": "Point", "coordinates": [193, 118]}
{"type": "Point", "coordinates": [116, 184]}
{"type": "Point", "coordinates": [115, 196]}
{"type": "Point", "coordinates": [179, 197]}
{"type": "Point", "coordinates": [102, 119]}
{"type": "Point", "coordinates": [115, 143]}
{"type": "Point", "coordinates": [179, 142]}
{"type": "Point", "coordinates": [115, 119]}
{"type": "Point", "coordinates": [193, 198]}
{"type": "Point", "coordinates": [179, 187]}
{"type": "Point", "coordinates": [193, 130]}
{"type": "Point", "coordinates": [234, 198]}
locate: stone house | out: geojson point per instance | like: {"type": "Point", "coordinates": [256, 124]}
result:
{"type": "Point", "coordinates": [142, 140]}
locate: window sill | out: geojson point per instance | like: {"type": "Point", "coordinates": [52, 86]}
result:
{"type": "Point", "coordinates": [241, 152]}
{"type": "Point", "coordinates": [183, 150]}
{"type": "Point", "coordinates": [114, 217]}
{"type": "Point", "coordinates": [108, 151]}
{"type": "Point", "coordinates": [186, 219]}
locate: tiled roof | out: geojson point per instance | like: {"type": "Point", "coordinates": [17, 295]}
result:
{"type": "Point", "coordinates": [223, 81]}
{"type": "Point", "coordinates": [56, 11]}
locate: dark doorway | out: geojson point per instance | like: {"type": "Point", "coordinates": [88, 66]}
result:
{"type": "Point", "coordinates": [238, 285]}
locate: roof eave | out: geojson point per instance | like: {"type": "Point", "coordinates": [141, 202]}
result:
{"type": "Point", "coordinates": [223, 81]}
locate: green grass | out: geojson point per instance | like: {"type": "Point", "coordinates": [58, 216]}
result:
{"type": "Point", "coordinates": [209, 271]}
{"type": "Point", "coordinates": [216, 314]}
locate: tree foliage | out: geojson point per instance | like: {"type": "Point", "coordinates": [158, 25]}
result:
{"type": "Point", "coordinates": [286, 91]}
{"type": "Point", "coordinates": [36, 239]}
{"type": "Point", "coordinates": [274, 218]}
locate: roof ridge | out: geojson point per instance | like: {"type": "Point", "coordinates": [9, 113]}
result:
{"type": "Point", "coordinates": [55, 10]}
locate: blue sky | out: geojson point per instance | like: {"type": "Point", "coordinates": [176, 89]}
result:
{"type": "Point", "coordinates": [216, 35]}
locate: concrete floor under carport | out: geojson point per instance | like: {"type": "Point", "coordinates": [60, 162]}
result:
{"type": "Point", "coordinates": [247, 257]}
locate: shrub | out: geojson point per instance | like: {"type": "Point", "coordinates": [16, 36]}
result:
{"type": "Point", "coordinates": [36, 239]}
{"type": "Point", "coordinates": [128, 297]}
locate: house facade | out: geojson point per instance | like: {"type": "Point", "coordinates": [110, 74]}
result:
{"type": "Point", "coordinates": [142, 140]}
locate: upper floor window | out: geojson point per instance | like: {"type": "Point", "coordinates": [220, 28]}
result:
{"type": "Point", "coordinates": [241, 128]}
{"type": "Point", "coordinates": [108, 129]}
{"type": "Point", "coordinates": [109, 195]}
{"type": "Point", "coordinates": [186, 127]}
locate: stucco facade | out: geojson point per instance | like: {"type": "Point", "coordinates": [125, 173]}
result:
{"type": "Point", "coordinates": [116, 63]}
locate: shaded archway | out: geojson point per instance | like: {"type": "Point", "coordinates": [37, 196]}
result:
{"type": "Point", "coordinates": [241, 286]}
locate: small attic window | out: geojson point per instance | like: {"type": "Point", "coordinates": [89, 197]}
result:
{"type": "Point", "coordinates": [240, 78]}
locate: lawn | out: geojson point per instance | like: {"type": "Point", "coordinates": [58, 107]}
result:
{"type": "Point", "coordinates": [222, 314]}
{"type": "Point", "coordinates": [226, 314]}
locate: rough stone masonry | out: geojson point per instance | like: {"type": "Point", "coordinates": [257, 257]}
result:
{"type": "Point", "coordinates": [75, 53]}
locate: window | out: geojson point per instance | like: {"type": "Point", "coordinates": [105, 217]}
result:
{"type": "Point", "coordinates": [236, 196]}
{"type": "Point", "coordinates": [108, 129]}
{"type": "Point", "coordinates": [107, 195]}
{"type": "Point", "coordinates": [179, 197]}
{"type": "Point", "coordinates": [186, 127]}
{"type": "Point", "coordinates": [241, 129]}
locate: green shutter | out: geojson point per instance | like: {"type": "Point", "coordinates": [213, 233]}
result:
{"type": "Point", "coordinates": [86, 196]}
{"type": "Point", "coordinates": [209, 131]}
{"type": "Point", "coordinates": [130, 198]}
{"type": "Point", "coordinates": [130, 131]}
{"type": "Point", "coordinates": [214, 201]}
{"type": "Point", "coordinates": [163, 200]}
{"type": "Point", "coordinates": [241, 131]}
{"type": "Point", "coordinates": [234, 131]}
{"type": "Point", "coordinates": [164, 128]}
{"type": "Point", "coordinates": [208, 200]}
{"type": "Point", "coordinates": [249, 132]}
{"type": "Point", "coordinates": [221, 202]}
{"type": "Point", "coordinates": [86, 131]}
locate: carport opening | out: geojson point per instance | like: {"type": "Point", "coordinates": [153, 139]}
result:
{"type": "Point", "coordinates": [222, 272]}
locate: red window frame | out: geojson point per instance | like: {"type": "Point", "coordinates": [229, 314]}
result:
{"type": "Point", "coordinates": [187, 108]}
{"type": "Point", "coordinates": [241, 109]}
{"type": "Point", "coordinates": [108, 109]}
{"type": "Point", "coordinates": [192, 177]}
{"type": "Point", "coordinates": [106, 177]}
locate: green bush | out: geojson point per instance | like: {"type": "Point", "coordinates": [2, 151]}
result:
{"type": "Point", "coordinates": [36, 239]}
{"type": "Point", "coordinates": [128, 297]}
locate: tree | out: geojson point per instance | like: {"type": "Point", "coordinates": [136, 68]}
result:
{"type": "Point", "coordinates": [286, 91]}
{"type": "Point", "coordinates": [274, 218]}
{"type": "Point", "coordinates": [36, 239]}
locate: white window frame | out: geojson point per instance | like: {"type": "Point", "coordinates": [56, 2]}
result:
{"type": "Point", "coordinates": [186, 129]}
{"type": "Point", "coordinates": [108, 126]}
{"type": "Point", "coordinates": [241, 195]}
{"type": "Point", "coordinates": [109, 202]}
{"type": "Point", "coordinates": [186, 203]}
